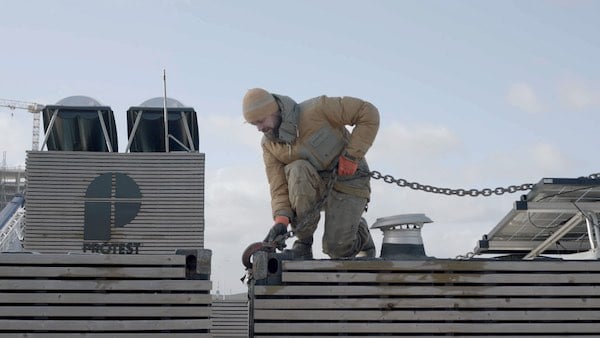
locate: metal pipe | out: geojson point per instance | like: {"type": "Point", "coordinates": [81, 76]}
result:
{"type": "Point", "coordinates": [50, 125]}
{"type": "Point", "coordinates": [105, 131]}
{"type": "Point", "coordinates": [134, 129]}
{"type": "Point", "coordinates": [166, 119]}
{"type": "Point", "coordinates": [571, 223]}
{"type": "Point", "coordinates": [590, 231]}
{"type": "Point", "coordinates": [596, 227]}
{"type": "Point", "coordinates": [187, 132]}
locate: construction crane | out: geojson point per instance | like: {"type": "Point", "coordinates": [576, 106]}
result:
{"type": "Point", "coordinates": [32, 107]}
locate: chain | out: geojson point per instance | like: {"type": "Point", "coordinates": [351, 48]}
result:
{"type": "Point", "coordinates": [447, 191]}
{"type": "Point", "coordinates": [458, 192]}
{"type": "Point", "coordinates": [468, 255]}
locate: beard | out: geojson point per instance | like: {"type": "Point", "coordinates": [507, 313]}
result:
{"type": "Point", "coordinates": [273, 134]}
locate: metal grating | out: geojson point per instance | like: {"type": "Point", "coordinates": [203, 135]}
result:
{"type": "Point", "coordinates": [62, 201]}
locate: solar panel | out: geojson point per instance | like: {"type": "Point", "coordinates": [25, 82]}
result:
{"type": "Point", "coordinates": [550, 219]}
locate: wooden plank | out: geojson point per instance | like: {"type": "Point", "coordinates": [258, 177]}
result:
{"type": "Point", "coordinates": [104, 325]}
{"type": "Point", "coordinates": [105, 285]}
{"type": "Point", "coordinates": [427, 291]}
{"type": "Point", "coordinates": [440, 264]}
{"type": "Point", "coordinates": [374, 316]}
{"type": "Point", "coordinates": [146, 228]}
{"type": "Point", "coordinates": [112, 335]}
{"type": "Point", "coordinates": [507, 335]}
{"type": "Point", "coordinates": [92, 310]}
{"type": "Point", "coordinates": [146, 251]}
{"type": "Point", "coordinates": [89, 259]}
{"type": "Point", "coordinates": [379, 328]}
{"type": "Point", "coordinates": [230, 318]}
{"type": "Point", "coordinates": [105, 272]}
{"type": "Point", "coordinates": [439, 277]}
{"type": "Point", "coordinates": [105, 298]}
{"type": "Point", "coordinates": [428, 303]}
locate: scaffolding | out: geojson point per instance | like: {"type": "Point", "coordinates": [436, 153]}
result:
{"type": "Point", "coordinates": [12, 182]}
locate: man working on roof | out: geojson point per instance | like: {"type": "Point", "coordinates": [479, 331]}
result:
{"type": "Point", "coordinates": [301, 146]}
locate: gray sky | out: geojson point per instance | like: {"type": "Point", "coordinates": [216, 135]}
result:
{"type": "Point", "coordinates": [472, 94]}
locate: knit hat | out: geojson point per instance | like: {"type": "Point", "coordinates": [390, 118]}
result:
{"type": "Point", "coordinates": [258, 104]}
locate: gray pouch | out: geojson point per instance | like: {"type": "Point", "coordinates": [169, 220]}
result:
{"type": "Point", "coordinates": [322, 148]}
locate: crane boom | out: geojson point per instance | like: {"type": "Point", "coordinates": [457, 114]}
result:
{"type": "Point", "coordinates": [32, 107]}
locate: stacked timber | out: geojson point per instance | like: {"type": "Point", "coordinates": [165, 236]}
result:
{"type": "Point", "coordinates": [114, 203]}
{"type": "Point", "coordinates": [62, 295]}
{"type": "Point", "coordinates": [230, 317]}
{"type": "Point", "coordinates": [116, 246]}
{"type": "Point", "coordinates": [419, 298]}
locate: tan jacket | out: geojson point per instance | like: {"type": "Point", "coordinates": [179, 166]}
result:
{"type": "Point", "coordinates": [307, 121]}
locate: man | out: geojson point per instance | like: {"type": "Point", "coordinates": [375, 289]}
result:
{"type": "Point", "coordinates": [302, 144]}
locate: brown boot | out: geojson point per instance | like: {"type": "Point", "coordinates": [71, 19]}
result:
{"type": "Point", "coordinates": [302, 249]}
{"type": "Point", "coordinates": [368, 249]}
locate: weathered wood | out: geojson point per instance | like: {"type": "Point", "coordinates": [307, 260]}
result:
{"type": "Point", "coordinates": [105, 325]}
{"type": "Point", "coordinates": [23, 258]}
{"type": "Point", "coordinates": [428, 303]}
{"type": "Point", "coordinates": [111, 335]}
{"type": "Point", "coordinates": [417, 298]}
{"type": "Point", "coordinates": [104, 285]}
{"type": "Point", "coordinates": [441, 264]}
{"type": "Point", "coordinates": [104, 298]}
{"type": "Point", "coordinates": [105, 311]}
{"type": "Point", "coordinates": [426, 291]}
{"type": "Point", "coordinates": [117, 294]}
{"type": "Point", "coordinates": [107, 272]}
{"type": "Point", "coordinates": [382, 327]}
{"type": "Point", "coordinates": [506, 335]}
{"type": "Point", "coordinates": [229, 318]}
{"type": "Point", "coordinates": [439, 277]}
{"type": "Point", "coordinates": [425, 315]}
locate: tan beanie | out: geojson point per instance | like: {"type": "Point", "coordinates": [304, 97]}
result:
{"type": "Point", "coordinates": [258, 104]}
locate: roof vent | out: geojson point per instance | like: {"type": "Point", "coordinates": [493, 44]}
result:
{"type": "Point", "coordinates": [402, 236]}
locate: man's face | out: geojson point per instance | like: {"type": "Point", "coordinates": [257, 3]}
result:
{"type": "Point", "coordinates": [269, 124]}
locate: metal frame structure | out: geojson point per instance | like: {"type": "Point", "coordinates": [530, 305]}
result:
{"type": "Point", "coordinates": [188, 133]}
{"type": "Point", "coordinates": [559, 216]}
{"type": "Point", "coordinates": [12, 232]}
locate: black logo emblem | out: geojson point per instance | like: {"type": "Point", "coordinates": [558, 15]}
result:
{"type": "Point", "coordinates": [111, 200]}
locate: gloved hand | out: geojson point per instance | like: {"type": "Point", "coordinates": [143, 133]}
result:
{"type": "Point", "coordinates": [276, 230]}
{"type": "Point", "coordinates": [346, 166]}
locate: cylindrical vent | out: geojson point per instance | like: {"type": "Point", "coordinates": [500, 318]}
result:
{"type": "Point", "coordinates": [402, 236]}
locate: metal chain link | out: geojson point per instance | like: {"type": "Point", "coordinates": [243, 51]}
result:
{"type": "Point", "coordinates": [458, 192]}
{"type": "Point", "coordinates": [468, 255]}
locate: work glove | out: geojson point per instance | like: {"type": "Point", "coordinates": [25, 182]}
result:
{"type": "Point", "coordinates": [346, 166]}
{"type": "Point", "coordinates": [278, 229]}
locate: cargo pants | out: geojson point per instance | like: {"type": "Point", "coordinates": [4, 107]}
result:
{"type": "Point", "coordinates": [344, 234]}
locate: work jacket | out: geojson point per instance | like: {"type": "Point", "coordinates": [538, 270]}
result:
{"type": "Point", "coordinates": [315, 130]}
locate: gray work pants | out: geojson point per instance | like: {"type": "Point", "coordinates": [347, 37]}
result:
{"type": "Point", "coordinates": [341, 237]}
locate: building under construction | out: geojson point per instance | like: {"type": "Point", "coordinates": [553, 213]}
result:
{"type": "Point", "coordinates": [12, 182]}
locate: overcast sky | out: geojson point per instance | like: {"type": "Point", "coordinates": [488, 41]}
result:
{"type": "Point", "coordinates": [472, 94]}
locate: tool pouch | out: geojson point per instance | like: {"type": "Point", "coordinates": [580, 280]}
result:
{"type": "Point", "coordinates": [322, 148]}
